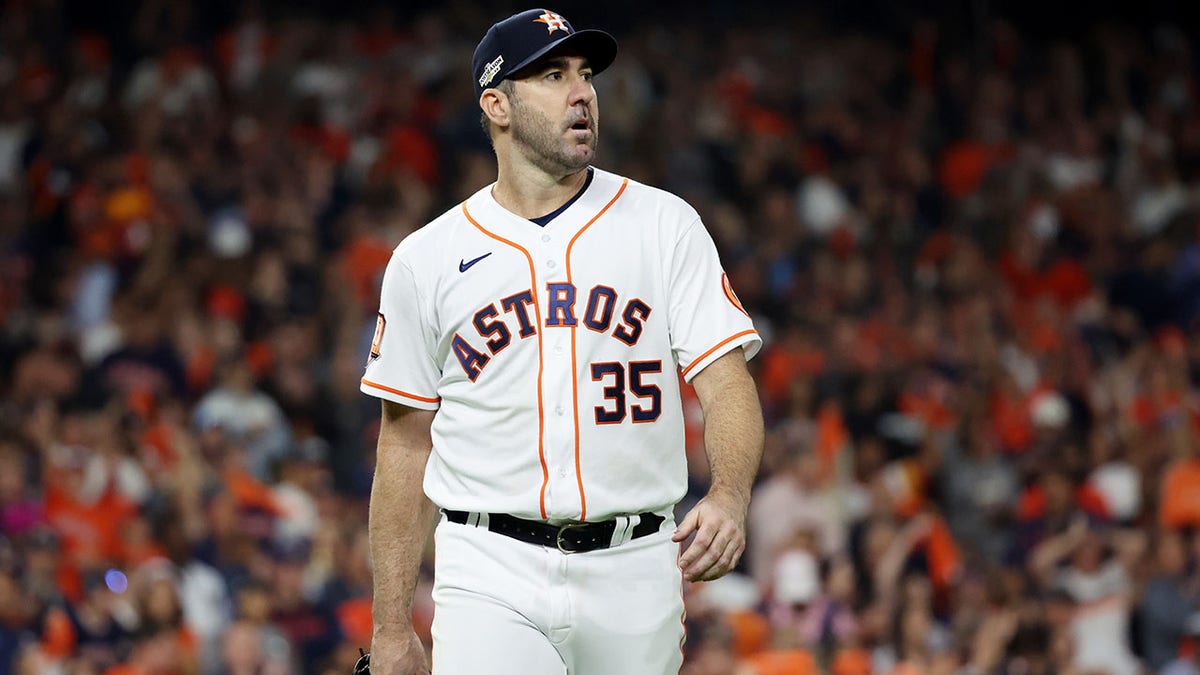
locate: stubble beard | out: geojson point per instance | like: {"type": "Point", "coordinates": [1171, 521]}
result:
{"type": "Point", "coordinates": [542, 142]}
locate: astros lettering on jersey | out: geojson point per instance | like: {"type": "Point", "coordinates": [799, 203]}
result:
{"type": "Point", "coordinates": [543, 348]}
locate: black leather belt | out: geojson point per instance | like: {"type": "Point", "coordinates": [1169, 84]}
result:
{"type": "Point", "coordinates": [568, 538]}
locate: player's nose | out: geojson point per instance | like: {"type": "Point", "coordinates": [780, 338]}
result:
{"type": "Point", "coordinates": [582, 92]}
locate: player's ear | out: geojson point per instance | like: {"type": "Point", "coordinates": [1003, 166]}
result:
{"type": "Point", "coordinates": [496, 106]}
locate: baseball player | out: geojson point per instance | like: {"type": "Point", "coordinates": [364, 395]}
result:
{"type": "Point", "coordinates": [527, 353]}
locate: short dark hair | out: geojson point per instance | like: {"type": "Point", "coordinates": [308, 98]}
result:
{"type": "Point", "coordinates": [510, 90]}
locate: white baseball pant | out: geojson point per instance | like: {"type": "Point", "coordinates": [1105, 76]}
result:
{"type": "Point", "coordinates": [506, 607]}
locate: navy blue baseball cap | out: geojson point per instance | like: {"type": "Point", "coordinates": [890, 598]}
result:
{"type": "Point", "coordinates": [523, 38]}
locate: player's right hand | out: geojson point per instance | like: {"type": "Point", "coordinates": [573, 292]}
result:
{"type": "Point", "coordinates": [398, 652]}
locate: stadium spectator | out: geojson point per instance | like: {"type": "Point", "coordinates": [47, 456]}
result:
{"type": "Point", "coordinates": [972, 247]}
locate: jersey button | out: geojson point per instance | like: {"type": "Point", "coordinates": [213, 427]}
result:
{"type": "Point", "coordinates": [558, 350]}
{"type": "Point", "coordinates": [545, 237]}
{"type": "Point", "coordinates": [559, 410]}
{"type": "Point", "coordinates": [550, 264]}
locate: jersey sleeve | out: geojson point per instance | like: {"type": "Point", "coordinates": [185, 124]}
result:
{"type": "Point", "coordinates": [706, 318]}
{"type": "Point", "coordinates": [401, 367]}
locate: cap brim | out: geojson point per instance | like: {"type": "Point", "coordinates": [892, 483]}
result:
{"type": "Point", "coordinates": [597, 46]}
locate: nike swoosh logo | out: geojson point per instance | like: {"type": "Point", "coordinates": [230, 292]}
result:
{"type": "Point", "coordinates": [464, 266]}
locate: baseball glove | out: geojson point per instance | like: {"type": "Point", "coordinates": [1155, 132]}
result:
{"type": "Point", "coordinates": [363, 666]}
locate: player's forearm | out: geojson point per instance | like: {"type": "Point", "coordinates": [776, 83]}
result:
{"type": "Point", "coordinates": [400, 519]}
{"type": "Point", "coordinates": [733, 438]}
{"type": "Point", "coordinates": [733, 428]}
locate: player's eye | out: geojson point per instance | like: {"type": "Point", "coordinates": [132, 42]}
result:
{"type": "Point", "coordinates": [587, 75]}
{"type": "Point", "coordinates": [554, 75]}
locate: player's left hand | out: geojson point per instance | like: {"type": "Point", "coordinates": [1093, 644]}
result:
{"type": "Point", "coordinates": [719, 522]}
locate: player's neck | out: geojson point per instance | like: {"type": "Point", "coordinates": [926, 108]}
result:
{"type": "Point", "coordinates": [530, 192]}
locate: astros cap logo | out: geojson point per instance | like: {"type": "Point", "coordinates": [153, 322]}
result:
{"type": "Point", "coordinates": [553, 22]}
{"type": "Point", "coordinates": [514, 43]}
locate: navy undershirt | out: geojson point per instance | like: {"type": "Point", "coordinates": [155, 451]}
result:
{"type": "Point", "coordinates": [545, 220]}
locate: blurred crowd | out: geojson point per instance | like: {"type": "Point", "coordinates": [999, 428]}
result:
{"type": "Point", "coordinates": [974, 257]}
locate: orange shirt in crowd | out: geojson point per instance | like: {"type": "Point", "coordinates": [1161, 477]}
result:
{"type": "Point", "coordinates": [964, 165]}
{"type": "Point", "coordinates": [927, 407]}
{"type": "Point", "coordinates": [409, 147]}
{"type": "Point", "coordinates": [186, 644]}
{"type": "Point", "coordinates": [782, 662]}
{"type": "Point", "coordinates": [250, 493]}
{"type": "Point", "coordinates": [1149, 409]}
{"type": "Point", "coordinates": [1010, 418]}
{"type": "Point", "coordinates": [1064, 280]}
{"type": "Point", "coordinates": [365, 258]}
{"type": "Point", "coordinates": [782, 365]}
{"type": "Point", "coordinates": [832, 438]}
{"type": "Point", "coordinates": [354, 618]}
{"type": "Point", "coordinates": [751, 632]}
{"type": "Point", "coordinates": [1031, 505]}
{"type": "Point", "coordinates": [854, 661]}
{"type": "Point", "coordinates": [86, 531]}
{"type": "Point", "coordinates": [942, 555]}
{"type": "Point", "coordinates": [1180, 505]}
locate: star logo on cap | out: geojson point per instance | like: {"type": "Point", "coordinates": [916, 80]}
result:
{"type": "Point", "coordinates": [553, 22]}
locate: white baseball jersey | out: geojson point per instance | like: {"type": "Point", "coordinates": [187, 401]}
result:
{"type": "Point", "coordinates": [551, 353]}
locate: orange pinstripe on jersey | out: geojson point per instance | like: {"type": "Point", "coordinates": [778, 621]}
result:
{"type": "Point", "coordinates": [720, 344]}
{"type": "Point", "coordinates": [538, 313]}
{"type": "Point", "coordinates": [574, 366]}
{"type": "Point", "coordinates": [397, 392]}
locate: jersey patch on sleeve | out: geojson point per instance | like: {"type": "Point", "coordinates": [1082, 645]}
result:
{"type": "Point", "coordinates": [729, 294]}
{"type": "Point", "coordinates": [376, 341]}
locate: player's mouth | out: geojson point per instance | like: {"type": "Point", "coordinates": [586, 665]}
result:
{"type": "Point", "coordinates": [581, 124]}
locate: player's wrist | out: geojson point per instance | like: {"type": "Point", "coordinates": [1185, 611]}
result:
{"type": "Point", "coordinates": [735, 497]}
{"type": "Point", "coordinates": [392, 628]}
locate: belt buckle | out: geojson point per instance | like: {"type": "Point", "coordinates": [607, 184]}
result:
{"type": "Point", "coordinates": [558, 540]}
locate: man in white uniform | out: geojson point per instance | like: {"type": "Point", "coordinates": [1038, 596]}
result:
{"type": "Point", "coordinates": [526, 354]}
